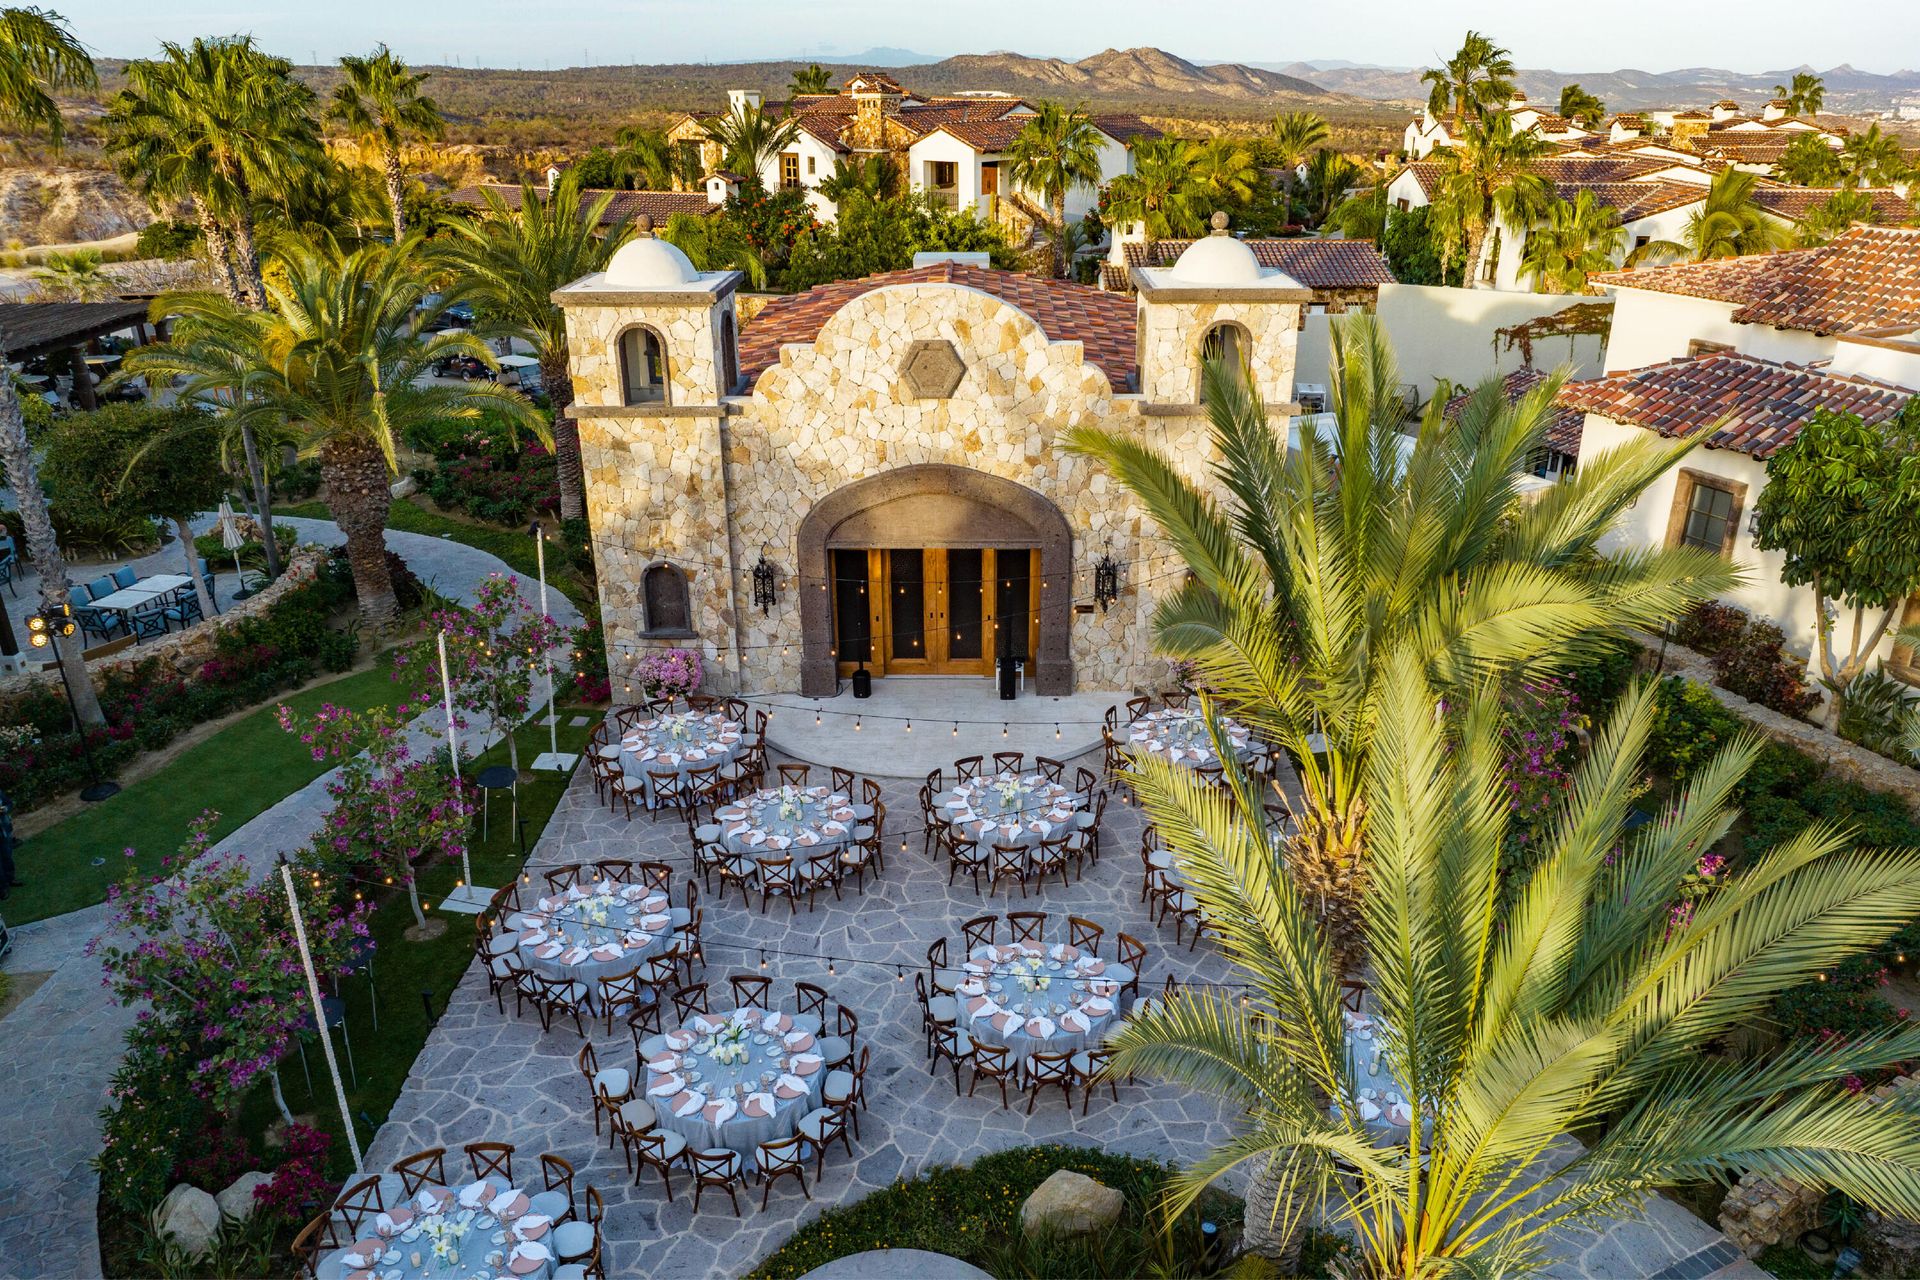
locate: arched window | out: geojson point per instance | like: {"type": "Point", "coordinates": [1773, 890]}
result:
{"type": "Point", "coordinates": [643, 367]}
{"type": "Point", "coordinates": [663, 589]}
{"type": "Point", "coordinates": [1230, 345]}
{"type": "Point", "coordinates": [729, 355]}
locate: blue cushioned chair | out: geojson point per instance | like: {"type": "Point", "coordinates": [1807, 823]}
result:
{"type": "Point", "coordinates": [125, 576]}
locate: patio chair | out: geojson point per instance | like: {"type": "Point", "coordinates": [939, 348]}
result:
{"type": "Point", "coordinates": [809, 998]}
{"type": "Point", "coordinates": [1026, 926]}
{"type": "Point", "coordinates": [422, 1169]}
{"type": "Point", "coordinates": [1050, 769]}
{"type": "Point", "coordinates": [491, 1160]}
{"type": "Point", "coordinates": [1009, 761]}
{"type": "Point", "coordinates": [1085, 934]}
{"type": "Point", "coordinates": [316, 1238]}
{"type": "Point", "coordinates": [557, 1200]}
{"type": "Point", "coordinates": [750, 990]}
{"type": "Point", "coordinates": [1049, 1069]}
{"type": "Point", "coordinates": [359, 1202]}
{"type": "Point", "coordinates": [660, 1149]}
{"type": "Point", "coordinates": [608, 1087]}
{"type": "Point", "coordinates": [980, 931]}
{"type": "Point", "coordinates": [720, 1168]}
{"type": "Point", "coordinates": [968, 768]}
{"type": "Point", "coordinates": [850, 1086]}
{"type": "Point", "coordinates": [148, 622]}
{"type": "Point", "coordinates": [576, 1241]}
{"type": "Point", "coordinates": [992, 1062]}
{"type": "Point", "coordinates": [822, 1127]}
{"type": "Point", "coordinates": [779, 879]}
{"type": "Point", "coordinates": [1089, 1067]}
{"type": "Point", "coordinates": [690, 1000]}
{"type": "Point", "coordinates": [781, 1158]}
{"type": "Point", "coordinates": [842, 780]}
{"type": "Point", "coordinates": [125, 576]}
{"type": "Point", "coordinates": [1009, 863]}
{"type": "Point", "coordinates": [940, 978]}
{"type": "Point", "coordinates": [183, 612]}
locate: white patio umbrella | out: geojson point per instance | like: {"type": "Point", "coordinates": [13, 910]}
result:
{"type": "Point", "coordinates": [231, 538]}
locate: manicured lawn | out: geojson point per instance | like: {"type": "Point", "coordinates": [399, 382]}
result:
{"type": "Point", "coordinates": [403, 970]}
{"type": "Point", "coordinates": [511, 545]}
{"type": "Point", "coordinates": [240, 772]}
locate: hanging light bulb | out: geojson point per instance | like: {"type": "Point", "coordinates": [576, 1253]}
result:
{"type": "Point", "coordinates": [1003, 730]}
{"type": "Point", "coordinates": [1056, 733]}
{"type": "Point", "coordinates": [909, 724]}
{"type": "Point", "coordinates": [856, 724]}
{"type": "Point", "coordinates": [763, 961]}
{"type": "Point", "coordinates": [956, 728]}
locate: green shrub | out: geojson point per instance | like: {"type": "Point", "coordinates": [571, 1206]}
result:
{"type": "Point", "coordinates": [253, 555]}
{"type": "Point", "coordinates": [152, 1112]}
{"type": "Point", "coordinates": [1749, 657]}
{"type": "Point", "coordinates": [1690, 728]}
{"type": "Point", "coordinates": [1874, 714]}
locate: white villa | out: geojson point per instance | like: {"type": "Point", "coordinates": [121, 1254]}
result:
{"type": "Point", "coordinates": [953, 147]}
{"type": "Point", "coordinates": [1426, 131]}
{"type": "Point", "coordinates": [1751, 347]}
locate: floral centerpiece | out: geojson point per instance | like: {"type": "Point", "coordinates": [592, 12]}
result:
{"type": "Point", "coordinates": [668, 673]}
{"type": "Point", "coordinates": [728, 1046]}
{"type": "Point", "coordinates": [791, 806]}
{"type": "Point", "coordinates": [445, 1234]}
{"type": "Point", "coordinates": [1011, 791]}
{"type": "Point", "coordinates": [1028, 974]}
{"type": "Point", "coordinates": [679, 728]}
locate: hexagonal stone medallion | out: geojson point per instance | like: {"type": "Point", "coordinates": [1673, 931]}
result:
{"type": "Point", "coordinates": [932, 369]}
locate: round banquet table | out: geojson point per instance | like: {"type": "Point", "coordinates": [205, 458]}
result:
{"type": "Point", "coordinates": [1377, 1094]}
{"type": "Point", "coordinates": [485, 1240]}
{"type": "Point", "coordinates": [1180, 735]}
{"type": "Point", "coordinates": [789, 821]}
{"type": "Point", "coordinates": [1010, 809]}
{"type": "Point", "coordinates": [1073, 1000]}
{"type": "Point", "coordinates": [679, 743]}
{"type": "Point", "coordinates": [736, 1104]}
{"type": "Point", "coordinates": [587, 932]}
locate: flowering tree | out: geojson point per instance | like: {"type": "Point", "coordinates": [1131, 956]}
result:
{"type": "Point", "coordinates": [391, 810]}
{"type": "Point", "coordinates": [494, 651]}
{"type": "Point", "coordinates": [668, 673]}
{"type": "Point", "coordinates": [213, 958]}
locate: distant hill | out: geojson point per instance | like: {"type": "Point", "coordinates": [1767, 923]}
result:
{"type": "Point", "coordinates": [1131, 77]}
{"type": "Point", "coordinates": [1849, 89]}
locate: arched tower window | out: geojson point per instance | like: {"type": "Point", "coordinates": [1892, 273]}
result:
{"type": "Point", "coordinates": [643, 367]}
{"type": "Point", "coordinates": [663, 589]}
{"type": "Point", "coordinates": [1230, 345]}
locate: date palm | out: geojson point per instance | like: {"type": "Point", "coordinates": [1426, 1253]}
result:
{"type": "Point", "coordinates": [337, 357]}
{"type": "Point", "coordinates": [1581, 107]}
{"type": "Point", "coordinates": [380, 104]}
{"type": "Point", "coordinates": [1057, 151]}
{"type": "Point", "coordinates": [1310, 567]}
{"type": "Point", "coordinates": [39, 56]}
{"type": "Point", "coordinates": [1805, 96]}
{"type": "Point", "coordinates": [1226, 171]}
{"type": "Point", "coordinates": [221, 123]}
{"type": "Point", "coordinates": [74, 277]}
{"type": "Point", "coordinates": [1845, 208]}
{"type": "Point", "coordinates": [1575, 239]}
{"type": "Point", "coordinates": [1586, 997]}
{"type": "Point", "coordinates": [750, 138]}
{"type": "Point", "coordinates": [716, 244]}
{"type": "Point", "coordinates": [1489, 172]}
{"type": "Point", "coordinates": [876, 177]}
{"type": "Point", "coordinates": [1808, 162]}
{"type": "Point", "coordinates": [1293, 136]}
{"type": "Point", "coordinates": [1874, 158]}
{"type": "Point", "coordinates": [647, 160]}
{"type": "Point", "coordinates": [1476, 80]}
{"type": "Point", "coordinates": [810, 80]}
{"type": "Point", "coordinates": [1330, 176]}
{"type": "Point", "coordinates": [1162, 193]}
{"type": "Point", "coordinates": [513, 258]}
{"type": "Point", "coordinates": [1728, 224]}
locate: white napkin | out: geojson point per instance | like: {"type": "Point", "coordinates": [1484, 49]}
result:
{"type": "Point", "coordinates": [1098, 1007]}
{"type": "Point", "coordinates": [532, 1249]}
{"type": "Point", "coordinates": [353, 1258]}
{"type": "Point", "coordinates": [1074, 1021]}
{"type": "Point", "coordinates": [527, 1224]}
{"type": "Point", "coordinates": [500, 1202]}
{"type": "Point", "coordinates": [779, 842]}
{"type": "Point", "coordinates": [1040, 1027]}
{"type": "Point", "coordinates": [793, 1038]}
{"type": "Point", "coordinates": [665, 1087]}
{"type": "Point", "coordinates": [791, 1081]}
{"type": "Point", "coordinates": [721, 1110]}
{"type": "Point", "coordinates": [473, 1193]}
{"type": "Point", "coordinates": [426, 1202]}
{"type": "Point", "coordinates": [693, 1104]}
{"type": "Point", "coordinates": [664, 1063]}
{"type": "Point", "coordinates": [1401, 1113]}
{"type": "Point", "coordinates": [574, 955]}
{"type": "Point", "coordinates": [761, 1101]}
{"type": "Point", "coordinates": [1368, 1112]}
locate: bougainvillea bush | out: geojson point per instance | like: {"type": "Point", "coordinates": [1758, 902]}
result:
{"type": "Point", "coordinates": [499, 489]}
{"type": "Point", "coordinates": [1539, 751]}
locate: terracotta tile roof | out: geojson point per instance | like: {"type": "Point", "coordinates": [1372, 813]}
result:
{"type": "Point", "coordinates": [1315, 263]}
{"type": "Point", "coordinates": [1738, 280]}
{"type": "Point", "coordinates": [1796, 202]}
{"type": "Point", "coordinates": [1757, 405]}
{"type": "Point", "coordinates": [1065, 312]}
{"type": "Point", "coordinates": [985, 135]}
{"type": "Point", "coordinates": [1564, 424]}
{"type": "Point", "coordinates": [1632, 200]}
{"type": "Point", "coordinates": [659, 205]}
{"type": "Point", "coordinates": [1125, 129]}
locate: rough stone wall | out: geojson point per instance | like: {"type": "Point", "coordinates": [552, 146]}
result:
{"type": "Point", "coordinates": [837, 411]}
{"type": "Point", "coordinates": [181, 652]}
{"type": "Point", "coordinates": [1171, 337]}
{"type": "Point", "coordinates": [690, 332]}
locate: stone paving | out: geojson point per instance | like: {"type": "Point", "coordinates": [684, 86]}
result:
{"type": "Point", "coordinates": [488, 1076]}
{"type": "Point", "coordinates": [59, 1048]}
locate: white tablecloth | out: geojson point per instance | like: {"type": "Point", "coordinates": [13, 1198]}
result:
{"type": "Point", "coordinates": [679, 743]}
{"type": "Point", "coordinates": [1039, 997]}
{"type": "Point", "coordinates": [589, 932]}
{"type": "Point", "coordinates": [759, 1099]}
{"type": "Point", "coordinates": [403, 1233]}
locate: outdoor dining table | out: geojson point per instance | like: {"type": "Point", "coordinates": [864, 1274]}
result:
{"type": "Point", "coordinates": [143, 592]}
{"type": "Point", "coordinates": [1376, 1093]}
{"type": "Point", "coordinates": [735, 1079]}
{"type": "Point", "coordinates": [586, 932]}
{"type": "Point", "coordinates": [679, 743]}
{"type": "Point", "coordinates": [479, 1229]}
{"type": "Point", "coordinates": [1010, 809]}
{"type": "Point", "coordinates": [1035, 997]}
{"type": "Point", "coordinates": [1179, 734]}
{"type": "Point", "coordinates": [790, 821]}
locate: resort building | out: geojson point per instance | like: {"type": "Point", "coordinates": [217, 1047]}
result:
{"type": "Point", "coordinates": [1427, 131]}
{"type": "Point", "coordinates": [953, 147]}
{"type": "Point", "coordinates": [1341, 275]}
{"type": "Point", "coordinates": [1750, 347]}
{"type": "Point", "coordinates": [871, 473]}
{"type": "Point", "coordinates": [626, 206]}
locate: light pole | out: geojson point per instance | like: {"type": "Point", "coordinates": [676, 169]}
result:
{"type": "Point", "coordinates": [55, 622]}
{"type": "Point", "coordinates": [553, 757]}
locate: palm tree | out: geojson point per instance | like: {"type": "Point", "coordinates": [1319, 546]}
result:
{"type": "Point", "coordinates": [1873, 158]}
{"type": "Point", "coordinates": [1589, 996]}
{"type": "Point", "coordinates": [1847, 207]}
{"type": "Point", "coordinates": [1055, 152]}
{"type": "Point", "coordinates": [876, 177]}
{"type": "Point", "coordinates": [74, 277]}
{"type": "Point", "coordinates": [717, 244]}
{"type": "Point", "coordinates": [1330, 176]}
{"type": "Point", "coordinates": [1473, 82]}
{"type": "Point", "coordinates": [1808, 162]}
{"type": "Point", "coordinates": [650, 161]}
{"type": "Point", "coordinates": [810, 80]}
{"type": "Point", "coordinates": [515, 257]}
{"type": "Point", "coordinates": [1489, 171]}
{"type": "Point", "coordinates": [1295, 135]}
{"type": "Point", "coordinates": [1226, 171]}
{"type": "Point", "coordinates": [1575, 240]}
{"type": "Point", "coordinates": [380, 103]}
{"type": "Point", "coordinates": [1728, 224]}
{"type": "Point", "coordinates": [1805, 95]}
{"type": "Point", "coordinates": [1162, 193]}
{"type": "Point", "coordinates": [40, 55]}
{"type": "Point", "coordinates": [220, 123]}
{"type": "Point", "coordinates": [1581, 107]}
{"type": "Point", "coordinates": [750, 138]}
{"type": "Point", "coordinates": [339, 357]}
{"type": "Point", "coordinates": [1321, 561]}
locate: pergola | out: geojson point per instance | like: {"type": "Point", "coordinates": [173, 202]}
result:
{"type": "Point", "coordinates": [30, 329]}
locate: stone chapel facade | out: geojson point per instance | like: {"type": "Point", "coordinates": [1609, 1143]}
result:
{"type": "Point", "coordinates": [887, 453]}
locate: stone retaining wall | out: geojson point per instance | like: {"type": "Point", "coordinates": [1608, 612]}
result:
{"type": "Point", "coordinates": [181, 652]}
{"type": "Point", "coordinates": [1855, 763]}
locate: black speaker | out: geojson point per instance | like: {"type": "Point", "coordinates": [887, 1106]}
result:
{"type": "Point", "coordinates": [1009, 677]}
{"type": "Point", "coordinates": [862, 683]}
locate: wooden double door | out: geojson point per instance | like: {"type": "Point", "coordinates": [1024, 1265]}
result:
{"type": "Point", "coordinates": [934, 610]}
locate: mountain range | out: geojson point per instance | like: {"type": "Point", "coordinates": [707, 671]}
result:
{"type": "Point", "coordinates": [1848, 88]}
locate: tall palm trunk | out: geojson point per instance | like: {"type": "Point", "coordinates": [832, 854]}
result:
{"type": "Point", "coordinates": [16, 454]}
{"type": "Point", "coordinates": [558, 382]}
{"type": "Point", "coordinates": [1060, 235]}
{"type": "Point", "coordinates": [1326, 857]}
{"type": "Point", "coordinates": [219, 251]}
{"type": "Point", "coordinates": [200, 589]}
{"type": "Point", "coordinates": [396, 196]}
{"type": "Point", "coordinates": [263, 499]}
{"type": "Point", "coordinates": [1272, 1230]}
{"type": "Point", "coordinates": [357, 494]}
{"type": "Point", "coordinates": [247, 255]}
{"type": "Point", "coordinates": [1479, 241]}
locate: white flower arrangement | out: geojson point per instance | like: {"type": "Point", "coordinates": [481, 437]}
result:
{"type": "Point", "coordinates": [446, 1233]}
{"type": "Point", "coordinates": [1032, 979]}
{"type": "Point", "coordinates": [1010, 792]}
{"type": "Point", "coordinates": [680, 728]}
{"type": "Point", "coordinates": [729, 1046]}
{"type": "Point", "coordinates": [791, 807]}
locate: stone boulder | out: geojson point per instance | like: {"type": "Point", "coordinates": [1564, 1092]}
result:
{"type": "Point", "coordinates": [190, 1216]}
{"type": "Point", "coordinates": [237, 1202]}
{"type": "Point", "coordinates": [403, 487]}
{"type": "Point", "coordinates": [1888, 1246]}
{"type": "Point", "coordinates": [1071, 1203]}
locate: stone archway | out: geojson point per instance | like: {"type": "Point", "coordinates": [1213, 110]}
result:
{"type": "Point", "coordinates": [944, 506]}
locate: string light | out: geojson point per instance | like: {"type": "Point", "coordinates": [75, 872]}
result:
{"type": "Point", "coordinates": [909, 724]}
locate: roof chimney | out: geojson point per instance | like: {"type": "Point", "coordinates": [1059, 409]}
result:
{"type": "Point", "coordinates": [738, 100]}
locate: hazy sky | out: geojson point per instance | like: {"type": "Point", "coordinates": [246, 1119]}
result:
{"type": "Point", "coordinates": [1760, 35]}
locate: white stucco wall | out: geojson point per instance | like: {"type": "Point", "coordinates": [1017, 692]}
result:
{"type": "Point", "coordinates": [1650, 327]}
{"type": "Point", "coordinates": [1869, 360]}
{"type": "Point", "coordinates": [938, 148]}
